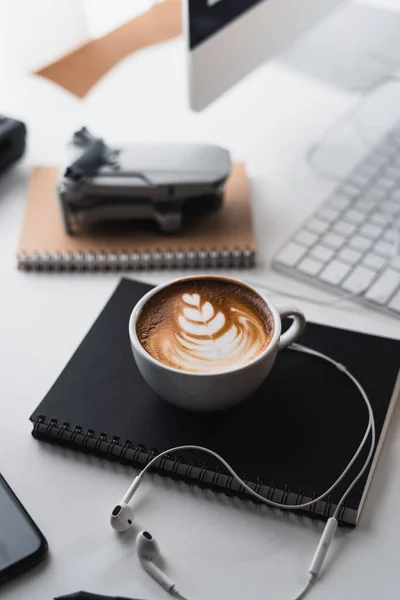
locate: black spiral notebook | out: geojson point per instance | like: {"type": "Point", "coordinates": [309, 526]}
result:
{"type": "Point", "coordinates": [290, 441]}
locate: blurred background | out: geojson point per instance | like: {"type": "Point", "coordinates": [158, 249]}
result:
{"type": "Point", "coordinates": [36, 32]}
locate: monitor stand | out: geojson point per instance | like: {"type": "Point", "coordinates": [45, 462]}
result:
{"type": "Point", "coordinates": [354, 49]}
{"type": "Point", "coordinates": [354, 134]}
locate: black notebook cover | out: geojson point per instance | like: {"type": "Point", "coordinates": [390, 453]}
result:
{"type": "Point", "coordinates": [291, 440]}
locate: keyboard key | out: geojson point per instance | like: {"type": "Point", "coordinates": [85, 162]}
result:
{"type": "Point", "coordinates": [373, 261]}
{"type": "Point", "coordinates": [306, 238]}
{"type": "Point", "coordinates": [327, 214]}
{"type": "Point", "coordinates": [370, 231]}
{"type": "Point", "coordinates": [360, 243]}
{"type": "Point", "coordinates": [375, 162]}
{"type": "Point", "coordinates": [378, 218]}
{"type": "Point", "coordinates": [390, 208]}
{"type": "Point", "coordinates": [394, 303]}
{"type": "Point", "coordinates": [374, 195]}
{"type": "Point", "coordinates": [349, 256]}
{"type": "Point", "coordinates": [385, 183]}
{"type": "Point", "coordinates": [358, 280]}
{"type": "Point", "coordinates": [386, 148]}
{"type": "Point", "coordinates": [290, 254]}
{"type": "Point", "coordinates": [393, 173]}
{"type": "Point", "coordinates": [395, 196]}
{"type": "Point", "coordinates": [332, 240]}
{"type": "Point", "coordinates": [363, 205]}
{"type": "Point", "coordinates": [334, 272]}
{"type": "Point", "coordinates": [365, 170]}
{"type": "Point", "coordinates": [353, 216]}
{"type": "Point", "coordinates": [392, 137]}
{"type": "Point", "coordinates": [389, 235]}
{"type": "Point", "coordinates": [384, 287]}
{"type": "Point", "coordinates": [322, 253]}
{"type": "Point", "coordinates": [394, 141]}
{"type": "Point", "coordinates": [395, 263]}
{"type": "Point", "coordinates": [347, 190]}
{"type": "Point", "coordinates": [383, 248]}
{"type": "Point", "coordinates": [317, 226]}
{"type": "Point", "coordinates": [338, 202]}
{"type": "Point", "coordinates": [360, 179]}
{"type": "Point", "coordinates": [376, 166]}
{"type": "Point", "coordinates": [344, 228]}
{"type": "Point", "coordinates": [310, 266]}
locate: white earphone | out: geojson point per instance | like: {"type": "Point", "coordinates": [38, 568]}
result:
{"type": "Point", "coordinates": [146, 547]}
{"type": "Point", "coordinates": [147, 551]}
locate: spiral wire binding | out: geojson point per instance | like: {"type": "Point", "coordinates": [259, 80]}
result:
{"type": "Point", "coordinates": [134, 261]}
{"type": "Point", "coordinates": [200, 474]}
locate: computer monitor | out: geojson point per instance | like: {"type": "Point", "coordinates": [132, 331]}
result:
{"type": "Point", "coordinates": [226, 39]}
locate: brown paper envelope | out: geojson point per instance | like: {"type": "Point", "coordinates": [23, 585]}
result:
{"type": "Point", "coordinates": [80, 70]}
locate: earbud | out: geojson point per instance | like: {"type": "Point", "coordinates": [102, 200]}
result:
{"type": "Point", "coordinates": [121, 517]}
{"type": "Point", "coordinates": [147, 551]}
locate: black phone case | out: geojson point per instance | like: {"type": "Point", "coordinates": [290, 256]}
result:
{"type": "Point", "coordinates": [32, 559]}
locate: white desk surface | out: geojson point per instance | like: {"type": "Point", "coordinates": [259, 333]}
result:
{"type": "Point", "coordinates": [214, 549]}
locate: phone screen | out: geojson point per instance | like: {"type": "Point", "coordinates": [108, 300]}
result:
{"type": "Point", "coordinates": [19, 538]}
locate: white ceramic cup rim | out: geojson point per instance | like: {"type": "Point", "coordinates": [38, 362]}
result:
{"type": "Point", "coordinates": [146, 355]}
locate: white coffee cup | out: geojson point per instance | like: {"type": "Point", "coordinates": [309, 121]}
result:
{"type": "Point", "coordinates": [213, 391]}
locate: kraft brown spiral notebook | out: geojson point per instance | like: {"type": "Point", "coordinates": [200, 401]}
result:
{"type": "Point", "coordinates": [221, 239]}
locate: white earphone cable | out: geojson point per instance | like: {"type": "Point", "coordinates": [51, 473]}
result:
{"type": "Point", "coordinates": [331, 525]}
{"type": "Point", "coordinates": [371, 426]}
{"type": "Point", "coordinates": [371, 421]}
{"type": "Point", "coordinates": [304, 591]}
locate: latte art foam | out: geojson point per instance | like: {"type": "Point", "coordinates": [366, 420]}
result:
{"type": "Point", "coordinates": [203, 338]}
{"type": "Point", "coordinates": [205, 327]}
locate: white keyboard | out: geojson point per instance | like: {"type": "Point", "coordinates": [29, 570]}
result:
{"type": "Point", "coordinates": [348, 244]}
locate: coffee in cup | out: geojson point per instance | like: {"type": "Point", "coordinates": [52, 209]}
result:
{"type": "Point", "coordinates": [207, 342]}
{"type": "Point", "coordinates": [205, 325]}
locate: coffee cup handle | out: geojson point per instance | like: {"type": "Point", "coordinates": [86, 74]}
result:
{"type": "Point", "coordinates": [296, 328]}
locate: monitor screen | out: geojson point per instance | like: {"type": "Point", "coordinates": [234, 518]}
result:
{"type": "Point", "coordinates": [206, 17]}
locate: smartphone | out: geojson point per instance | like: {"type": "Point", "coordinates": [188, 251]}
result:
{"type": "Point", "coordinates": [22, 544]}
